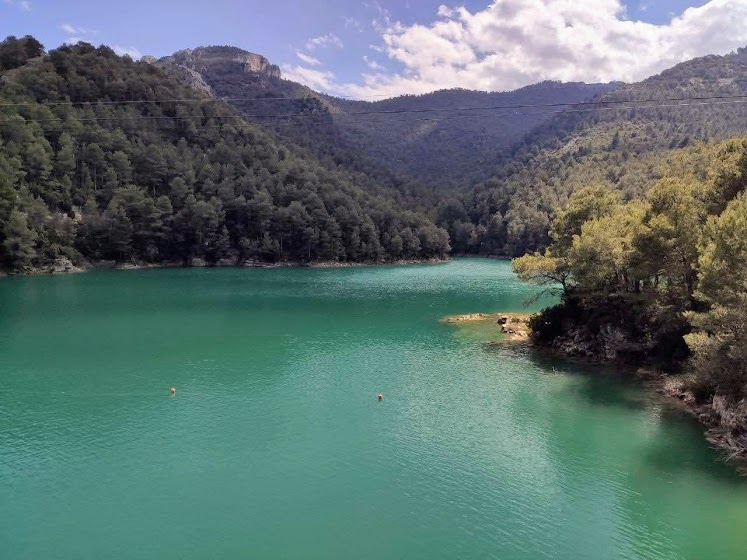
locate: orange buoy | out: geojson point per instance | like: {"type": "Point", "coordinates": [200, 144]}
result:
{"type": "Point", "coordinates": [172, 391]}
{"type": "Point", "coordinates": [381, 397]}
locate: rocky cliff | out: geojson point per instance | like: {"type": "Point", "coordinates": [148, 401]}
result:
{"type": "Point", "coordinates": [223, 60]}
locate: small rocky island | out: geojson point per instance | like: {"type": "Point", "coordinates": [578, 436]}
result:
{"type": "Point", "coordinates": [512, 327]}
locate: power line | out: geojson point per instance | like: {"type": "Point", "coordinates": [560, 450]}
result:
{"type": "Point", "coordinates": [542, 105]}
{"type": "Point", "coordinates": [386, 111]}
{"type": "Point", "coordinates": [715, 100]}
{"type": "Point", "coordinates": [667, 105]}
{"type": "Point", "coordinates": [154, 101]}
{"type": "Point", "coordinates": [320, 97]}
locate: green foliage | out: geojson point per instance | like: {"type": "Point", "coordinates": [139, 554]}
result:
{"type": "Point", "coordinates": [16, 52]}
{"type": "Point", "coordinates": [302, 118]}
{"type": "Point", "coordinates": [585, 204]}
{"type": "Point", "coordinates": [602, 258]}
{"type": "Point", "coordinates": [719, 344]}
{"type": "Point", "coordinates": [543, 270]}
{"type": "Point", "coordinates": [719, 350]}
{"type": "Point", "coordinates": [639, 279]}
{"type": "Point", "coordinates": [18, 241]}
{"type": "Point", "coordinates": [723, 269]}
{"type": "Point", "coordinates": [624, 148]}
{"type": "Point", "coordinates": [177, 181]}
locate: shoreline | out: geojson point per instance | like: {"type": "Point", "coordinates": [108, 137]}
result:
{"type": "Point", "coordinates": [723, 424]}
{"type": "Point", "coordinates": [65, 266]}
{"type": "Point", "coordinates": [477, 256]}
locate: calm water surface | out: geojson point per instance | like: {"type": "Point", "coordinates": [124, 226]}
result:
{"type": "Point", "coordinates": [276, 447]}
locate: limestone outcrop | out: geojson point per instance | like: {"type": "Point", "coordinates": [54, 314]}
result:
{"type": "Point", "coordinates": [223, 60]}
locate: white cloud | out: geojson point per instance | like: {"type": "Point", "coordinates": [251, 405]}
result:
{"type": "Point", "coordinates": [352, 23]}
{"type": "Point", "coordinates": [316, 79]}
{"type": "Point", "coordinates": [24, 5]}
{"type": "Point", "coordinates": [383, 21]}
{"type": "Point", "coordinates": [76, 30]}
{"type": "Point", "coordinates": [372, 64]}
{"type": "Point", "coordinates": [513, 43]}
{"type": "Point", "coordinates": [76, 33]}
{"type": "Point", "coordinates": [328, 40]}
{"type": "Point", "coordinates": [132, 52]}
{"type": "Point", "coordinates": [308, 59]}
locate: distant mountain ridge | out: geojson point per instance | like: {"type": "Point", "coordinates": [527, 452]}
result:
{"type": "Point", "coordinates": [462, 134]}
{"type": "Point", "coordinates": [623, 145]}
{"type": "Point", "coordinates": [454, 144]}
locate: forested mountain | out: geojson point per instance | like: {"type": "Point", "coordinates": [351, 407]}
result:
{"type": "Point", "coordinates": [624, 146]}
{"type": "Point", "coordinates": [96, 165]}
{"type": "Point", "coordinates": [296, 113]}
{"type": "Point", "coordinates": [91, 157]}
{"type": "Point", "coordinates": [535, 156]}
{"type": "Point", "coordinates": [453, 137]}
{"type": "Point", "coordinates": [437, 139]}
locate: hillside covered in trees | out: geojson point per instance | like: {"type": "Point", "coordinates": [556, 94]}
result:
{"type": "Point", "coordinates": [300, 116]}
{"type": "Point", "coordinates": [449, 138]}
{"type": "Point", "coordinates": [454, 138]}
{"type": "Point", "coordinates": [433, 153]}
{"type": "Point", "coordinates": [621, 141]}
{"type": "Point", "coordinates": [659, 281]}
{"type": "Point", "coordinates": [97, 165]}
{"type": "Point", "coordinates": [422, 149]}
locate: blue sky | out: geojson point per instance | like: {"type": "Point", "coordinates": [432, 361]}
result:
{"type": "Point", "coordinates": [381, 47]}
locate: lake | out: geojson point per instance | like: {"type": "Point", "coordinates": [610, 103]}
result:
{"type": "Point", "coordinates": [275, 445]}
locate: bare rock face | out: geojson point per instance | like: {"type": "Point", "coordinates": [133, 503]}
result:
{"type": "Point", "coordinates": [223, 60]}
{"type": "Point", "coordinates": [184, 74]}
{"type": "Point", "coordinates": [64, 265]}
{"type": "Point", "coordinates": [196, 81]}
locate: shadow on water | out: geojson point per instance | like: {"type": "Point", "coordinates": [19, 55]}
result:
{"type": "Point", "coordinates": [685, 449]}
{"type": "Point", "coordinates": [681, 447]}
{"type": "Point", "coordinates": [609, 389]}
{"type": "Point", "coordinates": [602, 385]}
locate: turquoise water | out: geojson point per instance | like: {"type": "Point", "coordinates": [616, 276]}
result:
{"type": "Point", "coordinates": [275, 446]}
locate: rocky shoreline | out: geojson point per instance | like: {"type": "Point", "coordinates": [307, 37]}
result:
{"type": "Point", "coordinates": [725, 423]}
{"type": "Point", "coordinates": [66, 266]}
